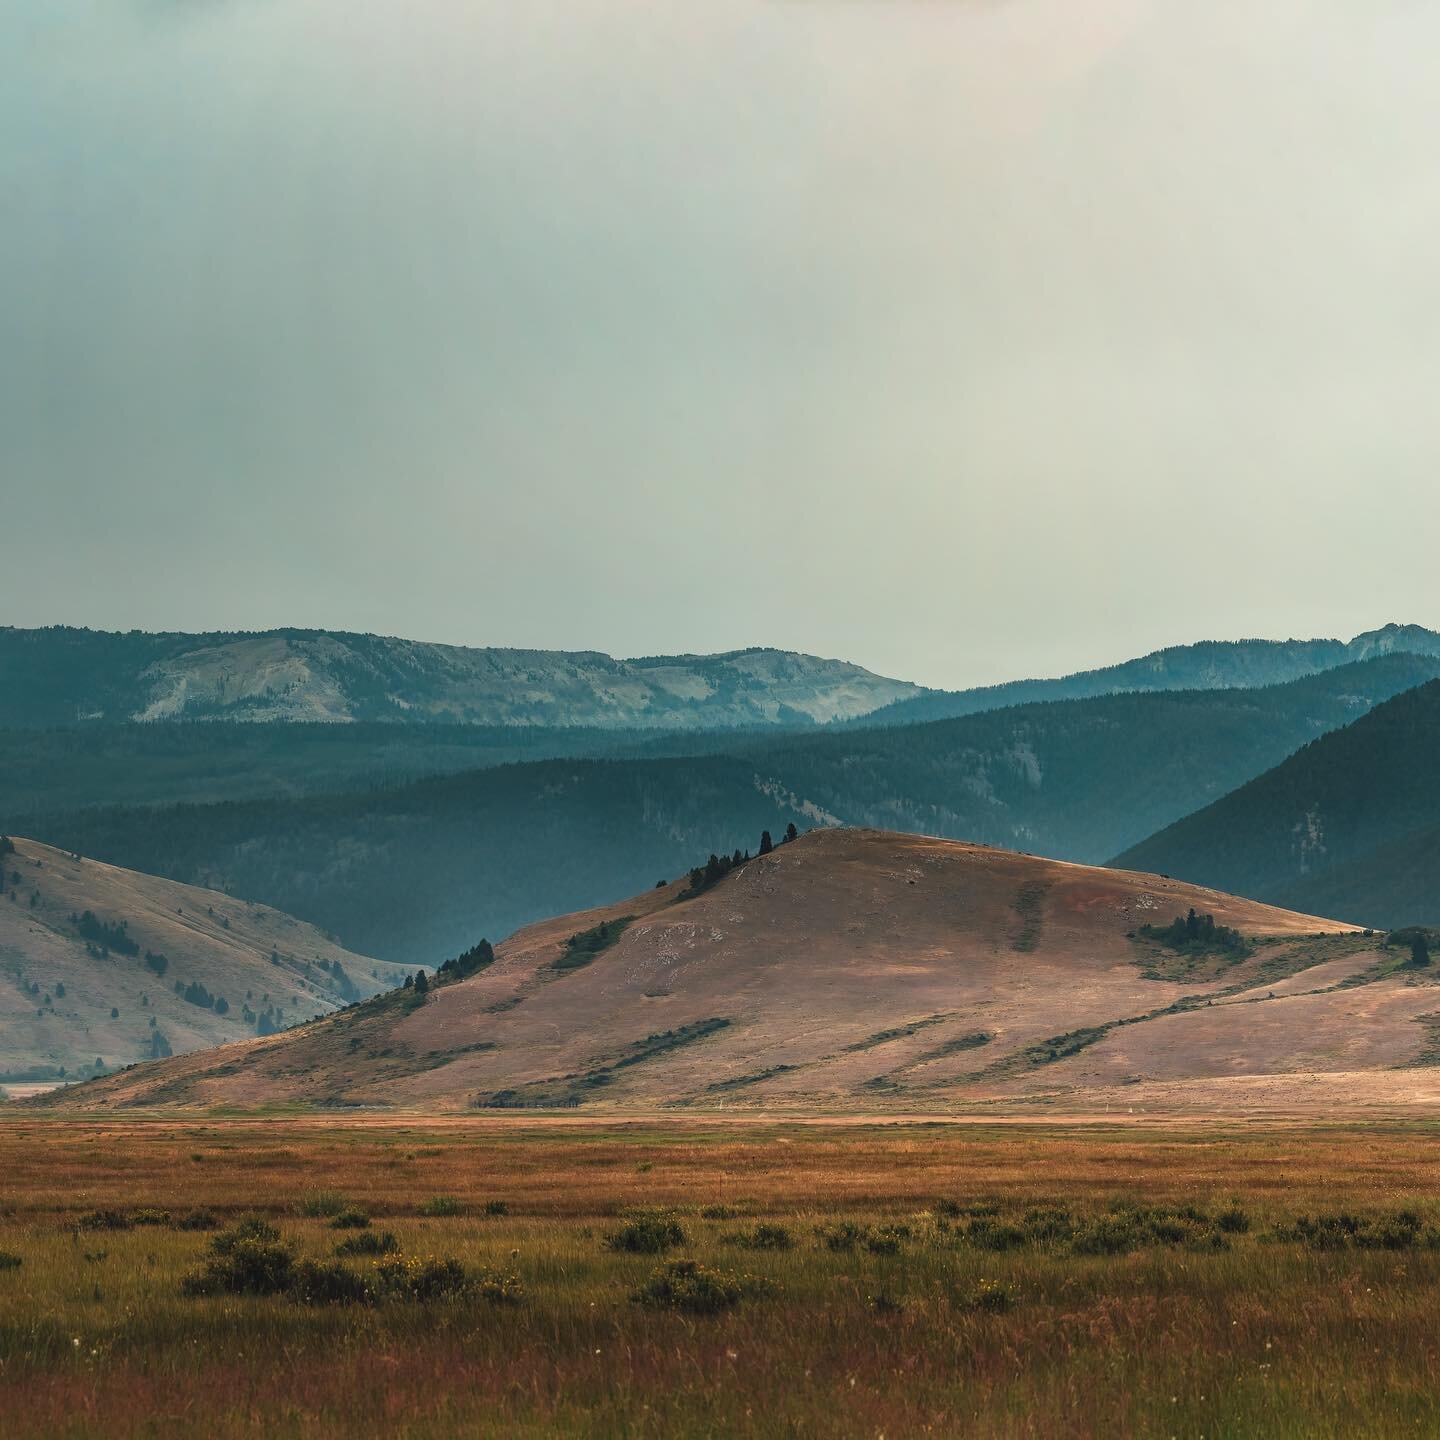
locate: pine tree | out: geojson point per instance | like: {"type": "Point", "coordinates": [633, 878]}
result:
{"type": "Point", "coordinates": [422, 985]}
{"type": "Point", "coordinates": [791, 833]}
{"type": "Point", "coordinates": [766, 843]}
{"type": "Point", "coordinates": [1419, 950]}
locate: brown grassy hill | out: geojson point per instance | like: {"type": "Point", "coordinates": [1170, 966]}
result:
{"type": "Point", "coordinates": [58, 988]}
{"type": "Point", "coordinates": [860, 971]}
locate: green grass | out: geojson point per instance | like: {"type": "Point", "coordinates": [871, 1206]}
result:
{"type": "Point", "coordinates": [886, 1281]}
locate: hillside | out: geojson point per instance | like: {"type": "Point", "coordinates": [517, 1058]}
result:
{"type": "Point", "coordinates": [854, 970]}
{"type": "Point", "coordinates": [1209, 665]}
{"type": "Point", "coordinates": [91, 957]}
{"type": "Point", "coordinates": [1345, 821]}
{"type": "Point", "coordinates": [414, 872]}
{"type": "Point", "coordinates": [62, 676]}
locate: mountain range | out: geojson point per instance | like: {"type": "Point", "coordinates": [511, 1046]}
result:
{"type": "Point", "coordinates": [342, 797]}
{"type": "Point", "coordinates": [416, 871]}
{"type": "Point", "coordinates": [1209, 665]}
{"type": "Point", "coordinates": [63, 676]}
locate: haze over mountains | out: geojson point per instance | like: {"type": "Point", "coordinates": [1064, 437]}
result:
{"type": "Point", "coordinates": [860, 970]}
{"type": "Point", "coordinates": [411, 840]}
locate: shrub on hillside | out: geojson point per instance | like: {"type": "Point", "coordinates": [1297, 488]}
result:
{"type": "Point", "coordinates": [350, 1218]}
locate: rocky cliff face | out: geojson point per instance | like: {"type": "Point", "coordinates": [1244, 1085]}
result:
{"type": "Point", "coordinates": [61, 676]}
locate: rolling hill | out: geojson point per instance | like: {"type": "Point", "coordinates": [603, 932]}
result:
{"type": "Point", "coordinates": [63, 676]}
{"type": "Point", "coordinates": [1209, 665]}
{"type": "Point", "coordinates": [100, 967]}
{"type": "Point", "coordinates": [863, 971]}
{"type": "Point", "coordinates": [416, 871]}
{"type": "Point", "coordinates": [1347, 822]}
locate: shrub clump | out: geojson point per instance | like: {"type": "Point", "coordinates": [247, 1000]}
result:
{"type": "Point", "coordinates": [440, 1206]}
{"type": "Point", "coordinates": [324, 1282]}
{"type": "Point", "coordinates": [368, 1242]}
{"type": "Point", "coordinates": [763, 1237]}
{"type": "Point", "coordinates": [844, 1236]}
{"type": "Point", "coordinates": [9, 1260]}
{"type": "Point", "coordinates": [248, 1259]}
{"type": "Point", "coordinates": [1118, 1232]}
{"type": "Point", "coordinates": [698, 1289]}
{"type": "Point", "coordinates": [150, 1216]}
{"type": "Point", "coordinates": [1402, 1230]}
{"type": "Point", "coordinates": [251, 1259]}
{"type": "Point", "coordinates": [886, 1239]}
{"type": "Point", "coordinates": [104, 1220]}
{"type": "Point", "coordinates": [989, 1297]}
{"type": "Point", "coordinates": [647, 1235]}
{"type": "Point", "coordinates": [195, 1220]}
{"type": "Point", "coordinates": [1233, 1221]}
{"type": "Point", "coordinates": [841, 1237]}
{"type": "Point", "coordinates": [321, 1204]}
{"type": "Point", "coordinates": [497, 1207]}
{"type": "Point", "coordinates": [350, 1219]}
{"type": "Point", "coordinates": [429, 1279]}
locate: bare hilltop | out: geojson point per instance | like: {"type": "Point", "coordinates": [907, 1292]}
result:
{"type": "Point", "coordinates": [859, 971]}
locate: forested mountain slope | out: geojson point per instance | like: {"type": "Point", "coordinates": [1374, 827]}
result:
{"type": "Point", "coordinates": [1348, 819]}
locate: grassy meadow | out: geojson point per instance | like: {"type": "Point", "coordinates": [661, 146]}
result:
{"type": "Point", "coordinates": [664, 1280]}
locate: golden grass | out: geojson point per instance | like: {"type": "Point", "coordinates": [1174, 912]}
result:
{"type": "Point", "coordinates": [1265, 1339]}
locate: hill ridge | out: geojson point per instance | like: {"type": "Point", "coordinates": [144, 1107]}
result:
{"type": "Point", "coordinates": [98, 962]}
{"type": "Point", "coordinates": [851, 970]}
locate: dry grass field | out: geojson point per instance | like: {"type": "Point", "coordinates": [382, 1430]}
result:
{"type": "Point", "coordinates": [908, 1279]}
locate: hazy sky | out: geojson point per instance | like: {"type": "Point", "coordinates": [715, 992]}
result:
{"type": "Point", "coordinates": [963, 338]}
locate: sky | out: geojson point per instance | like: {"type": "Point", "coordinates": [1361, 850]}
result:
{"type": "Point", "coordinates": [965, 339]}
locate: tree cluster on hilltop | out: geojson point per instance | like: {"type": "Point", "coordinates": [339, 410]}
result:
{"type": "Point", "coordinates": [1197, 935]}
